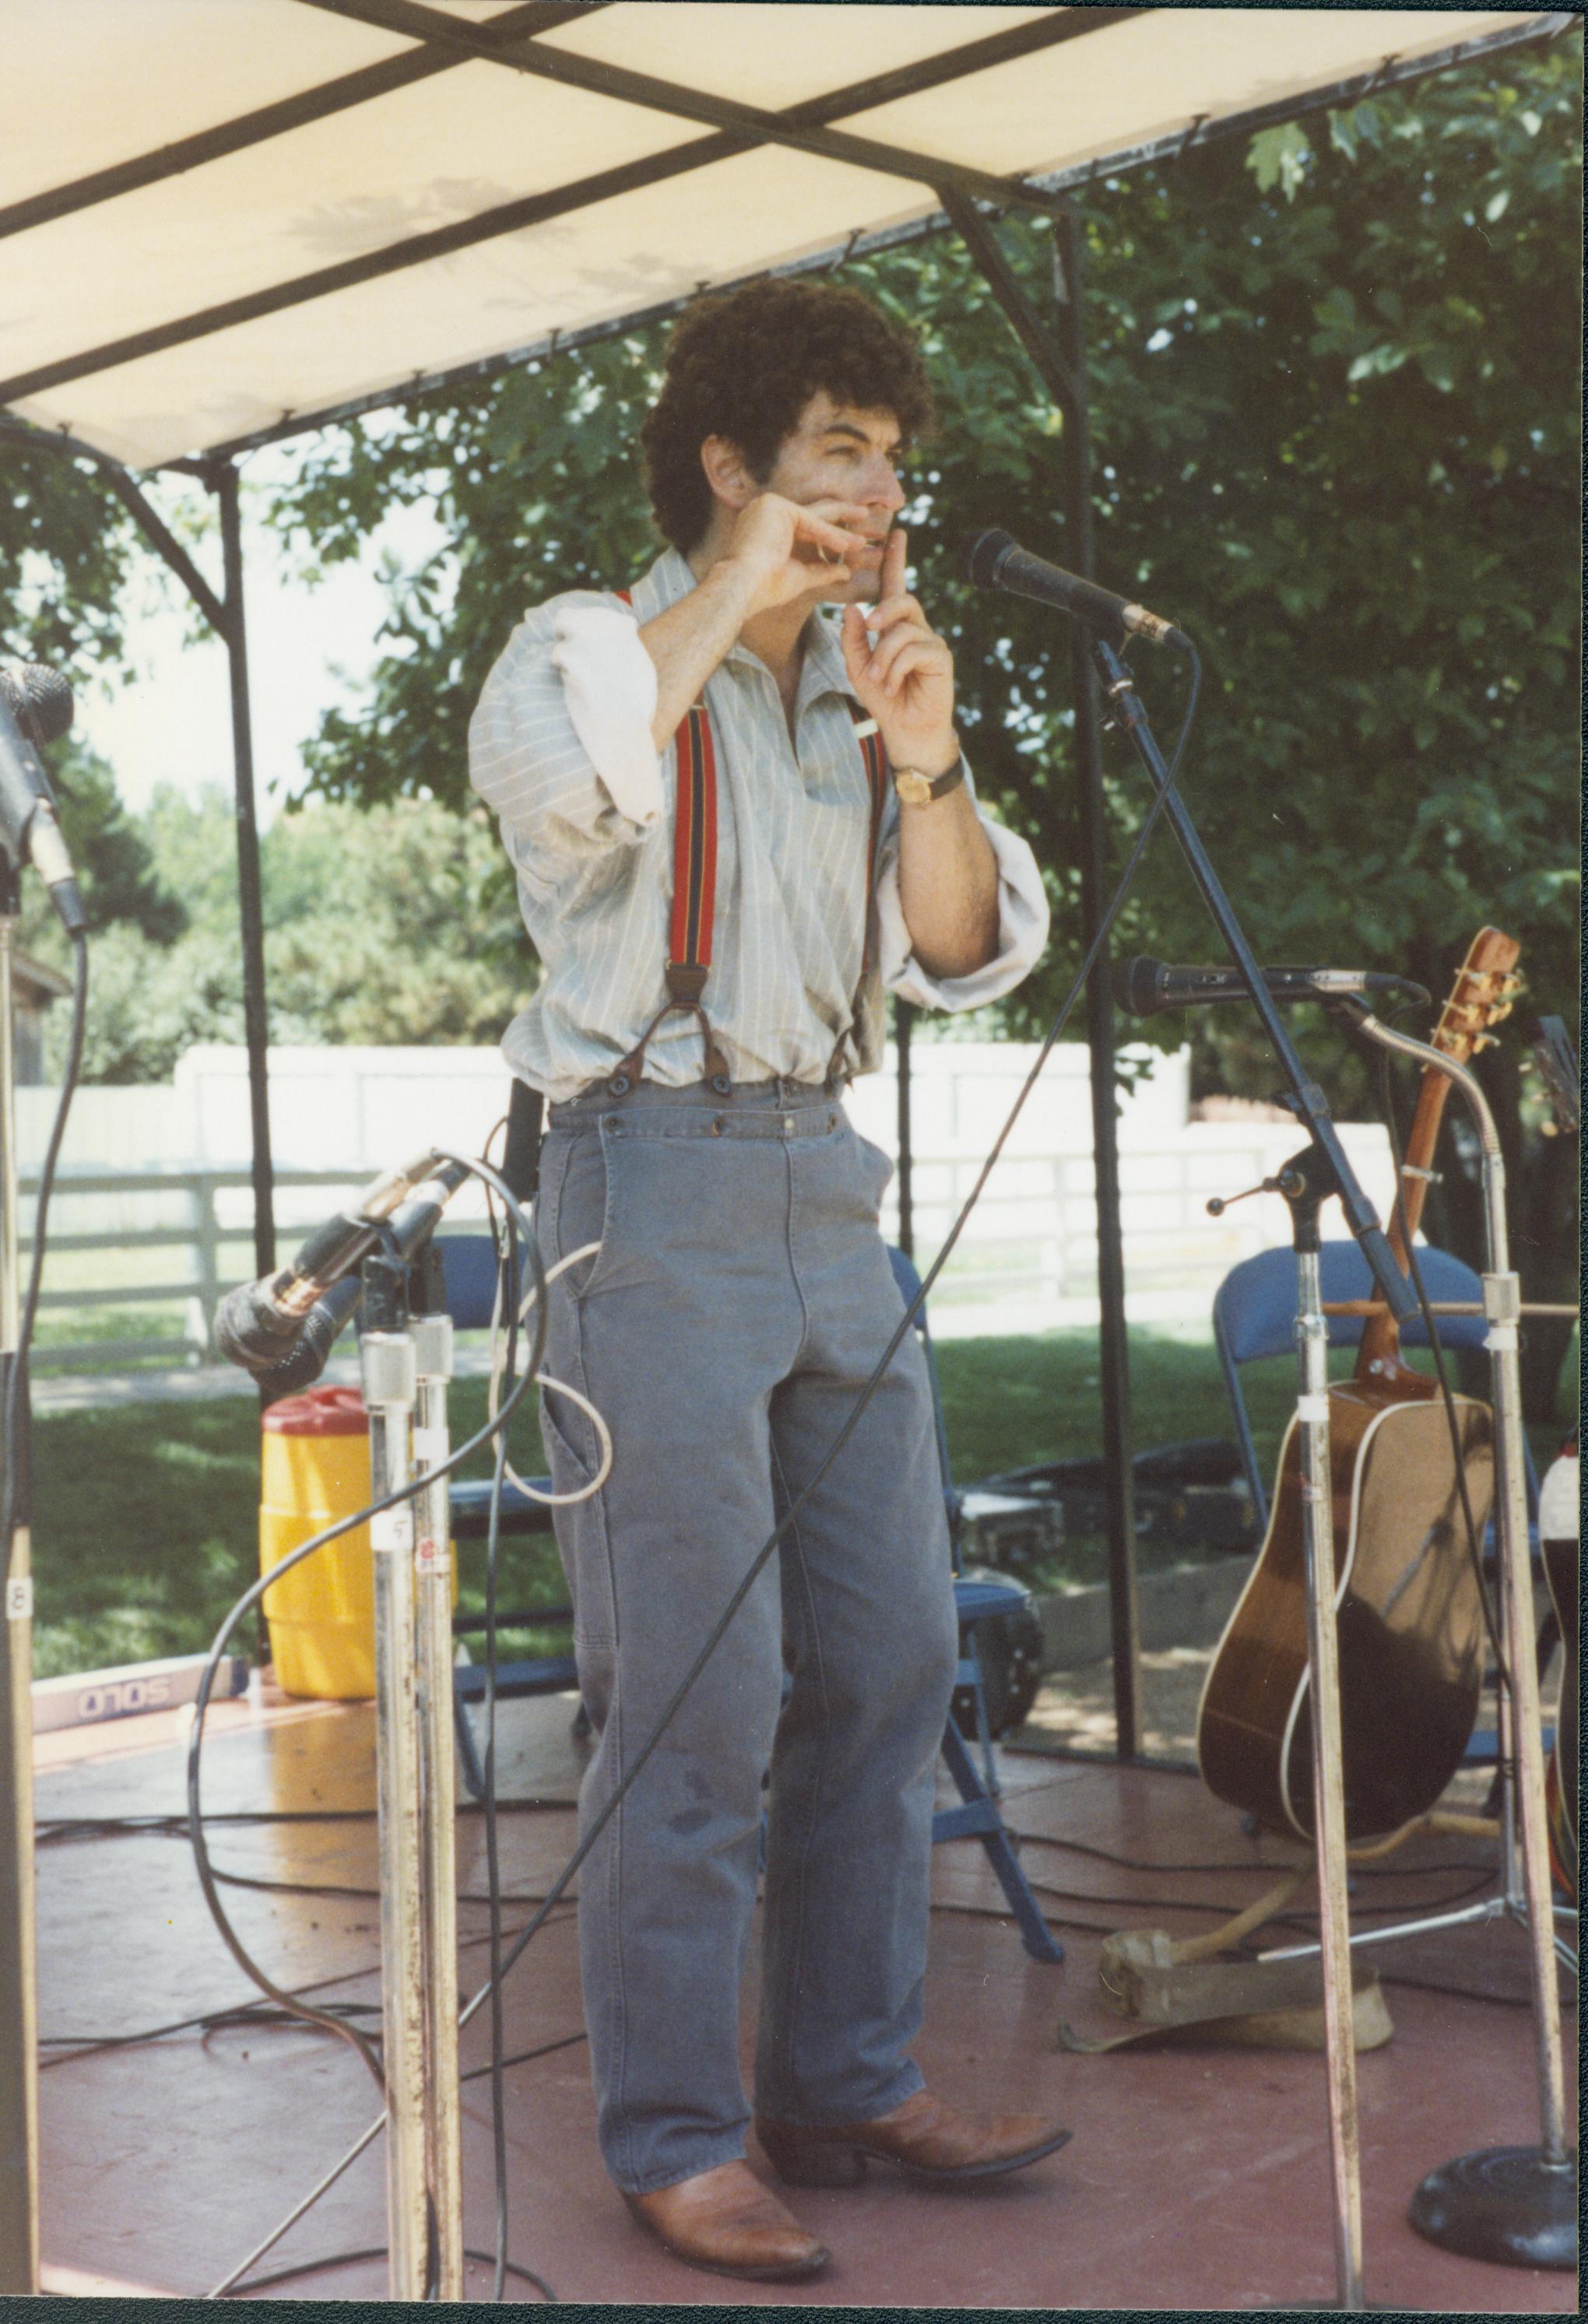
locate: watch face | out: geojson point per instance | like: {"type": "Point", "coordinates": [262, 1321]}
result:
{"type": "Point", "coordinates": [913, 788]}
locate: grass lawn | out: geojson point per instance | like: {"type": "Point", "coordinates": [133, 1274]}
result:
{"type": "Point", "coordinates": [145, 1527]}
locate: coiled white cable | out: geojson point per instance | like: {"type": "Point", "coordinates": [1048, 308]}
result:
{"type": "Point", "coordinates": [544, 1379]}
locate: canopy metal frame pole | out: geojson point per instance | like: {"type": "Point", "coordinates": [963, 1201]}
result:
{"type": "Point", "coordinates": [223, 480]}
{"type": "Point", "coordinates": [1061, 364]}
{"type": "Point", "coordinates": [225, 615]}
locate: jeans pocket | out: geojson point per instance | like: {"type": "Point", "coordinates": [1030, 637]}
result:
{"type": "Point", "coordinates": [569, 1439]}
{"type": "Point", "coordinates": [585, 1211]}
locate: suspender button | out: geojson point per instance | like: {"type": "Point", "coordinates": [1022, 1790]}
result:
{"type": "Point", "coordinates": [721, 1084]}
{"type": "Point", "coordinates": [619, 1084]}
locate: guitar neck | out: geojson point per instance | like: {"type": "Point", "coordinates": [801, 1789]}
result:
{"type": "Point", "coordinates": [1380, 1339]}
{"type": "Point", "coordinates": [1480, 999]}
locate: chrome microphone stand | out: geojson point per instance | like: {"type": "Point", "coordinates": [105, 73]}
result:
{"type": "Point", "coordinates": [406, 1362]}
{"type": "Point", "coordinates": [1306, 1181]}
{"type": "Point", "coordinates": [1516, 2204]}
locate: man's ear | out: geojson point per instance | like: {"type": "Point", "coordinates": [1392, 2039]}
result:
{"type": "Point", "coordinates": [727, 472]}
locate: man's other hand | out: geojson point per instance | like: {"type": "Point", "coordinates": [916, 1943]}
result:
{"type": "Point", "coordinates": [787, 552]}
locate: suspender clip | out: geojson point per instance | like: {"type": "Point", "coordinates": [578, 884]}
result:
{"type": "Point", "coordinates": [686, 980]}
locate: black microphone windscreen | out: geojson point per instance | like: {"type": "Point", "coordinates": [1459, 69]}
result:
{"type": "Point", "coordinates": [38, 699]}
{"type": "Point", "coordinates": [981, 559]}
{"type": "Point", "coordinates": [1135, 986]}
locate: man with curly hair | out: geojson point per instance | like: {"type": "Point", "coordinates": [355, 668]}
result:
{"type": "Point", "coordinates": [721, 881]}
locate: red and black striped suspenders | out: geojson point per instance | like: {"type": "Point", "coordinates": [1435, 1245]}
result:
{"type": "Point", "coordinates": [694, 908]}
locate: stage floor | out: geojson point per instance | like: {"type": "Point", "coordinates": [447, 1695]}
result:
{"type": "Point", "coordinates": [1196, 2178]}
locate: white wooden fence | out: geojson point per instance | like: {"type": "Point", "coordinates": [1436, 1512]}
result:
{"type": "Point", "coordinates": [153, 1215]}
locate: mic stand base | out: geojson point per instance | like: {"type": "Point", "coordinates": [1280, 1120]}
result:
{"type": "Point", "coordinates": [1509, 2204]}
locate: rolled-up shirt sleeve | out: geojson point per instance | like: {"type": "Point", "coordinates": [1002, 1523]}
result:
{"type": "Point", "coordinates": [1022, 928]}
{"type": "Point", "coordinates": [559, 745]}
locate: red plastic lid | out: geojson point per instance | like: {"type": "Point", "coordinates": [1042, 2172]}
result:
{"type": "Point", "coordinates": [319, 1412]}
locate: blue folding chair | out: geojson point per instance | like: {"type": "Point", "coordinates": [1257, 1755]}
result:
{"type": "Point", "coordinates": [1254, 1316]}
{"type": "Point", "coordinates": [978, 1598]}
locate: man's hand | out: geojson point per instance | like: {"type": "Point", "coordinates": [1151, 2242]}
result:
{"type": "Point", "coordinates": [906, 680]}
{"type": "Point", "coordinates": [785, 551]}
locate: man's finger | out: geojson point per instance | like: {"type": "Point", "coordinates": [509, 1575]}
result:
{"type": "Point", "coordinates": [890, 610]}
{"type": "Point", "coordinates": [893, 563]}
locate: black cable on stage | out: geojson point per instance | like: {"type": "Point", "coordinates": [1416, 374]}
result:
{"type": "Point", "coordinates": [742, 1591]}
{"type": "Point", "coordinates": [255, 1591]}
{"type": "Point", "coordinates": [1256, 1864]}
{"type": "Point", "coordinates": [372, 2251]}
{"type": "Point", "coordinates": [29, 1314]}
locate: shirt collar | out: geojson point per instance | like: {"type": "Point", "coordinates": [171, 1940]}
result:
{"type": "Point", "coordinates": [672, 578]}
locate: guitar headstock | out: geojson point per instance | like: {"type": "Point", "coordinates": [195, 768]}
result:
{"type": "Point", "coordinates": [1483, 995]}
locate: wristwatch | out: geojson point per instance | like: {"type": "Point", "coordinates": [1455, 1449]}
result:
{"type": "Point", "coordinates": [917, 790]}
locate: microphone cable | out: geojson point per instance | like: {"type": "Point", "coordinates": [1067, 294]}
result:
{"type": "Point", "coordinates": [208, 1882]}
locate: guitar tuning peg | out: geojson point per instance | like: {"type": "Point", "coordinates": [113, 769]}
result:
{"type": "Point", "coordinates": [1485, 1041]}
{"type": "Point", "coordinates": [1498, 1016]}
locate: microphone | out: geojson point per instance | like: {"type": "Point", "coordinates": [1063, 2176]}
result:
{"type": "Point", "coordinates": [1145, 988]}
{"type": "Point", "coordinates": [29, 829]}
{"type": "Point", "coordinates": [38, 699]}
{"type": "Point", "coordinates": [258, 1325]}
{"type": "Point", "coordinates": [995, 560]}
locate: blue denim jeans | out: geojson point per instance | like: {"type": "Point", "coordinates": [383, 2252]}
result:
{"type": "Point", "coordinates": [741, 1299]}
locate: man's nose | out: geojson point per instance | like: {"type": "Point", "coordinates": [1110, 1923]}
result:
{"type": "Point", "coordinates": [884, 489]}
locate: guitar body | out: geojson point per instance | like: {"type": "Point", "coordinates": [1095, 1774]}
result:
{"type": "Point", "coordinates": [1410, 1619]}
{"type": "Point", "coordinates": [1409, 1612]}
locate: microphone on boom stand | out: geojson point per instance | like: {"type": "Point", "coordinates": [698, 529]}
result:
{"type": "Point", "coordinates": [274, 1326]}
{"type": "Point", "coordinates": [1143, 987]}
{"type": "Point", "coordinates": [995, 560]}
{"type": "Point", "coordinates": [35, 706]}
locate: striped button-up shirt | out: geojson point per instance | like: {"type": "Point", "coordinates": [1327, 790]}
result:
{"type": "Point", "coordinates": [595, 876]}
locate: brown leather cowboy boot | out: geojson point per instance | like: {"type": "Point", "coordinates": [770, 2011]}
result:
{"type": "Point", "coordinates": [934, 2142]}
{"type": "Point", "coordinates": [724, 2220]}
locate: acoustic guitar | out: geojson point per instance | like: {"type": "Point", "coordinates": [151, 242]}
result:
{"type": "Point", "coordinates": [1408, 1605]}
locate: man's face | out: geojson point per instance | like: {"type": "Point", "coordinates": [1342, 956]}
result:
{"type": "Point", "coordinates": [839, 453]}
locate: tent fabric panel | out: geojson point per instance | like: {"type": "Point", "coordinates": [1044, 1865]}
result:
{"type": "Point", "coordinates": [436, 154]}
{"type": "Point", "coordinates": [1154, 76]}
{"type": "Point", "coordinates": [95, 82]}
{"type": "Point", "coordinates": [778, 53]}
{"type": "Point", "coordinates": [645, 248]}
{"type": "Point", "coordinates": [399, 165]}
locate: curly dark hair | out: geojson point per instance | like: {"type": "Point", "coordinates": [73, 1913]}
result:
{"type": "Point", "coordinates": [744, 365]}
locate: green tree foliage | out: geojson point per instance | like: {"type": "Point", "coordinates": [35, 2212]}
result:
{"type": "Point", "coordinates": [114, 859]}
{"type": "Point", "coordinates": [394, 924]}
{"type": "Point", "coordinates": [66, 547]}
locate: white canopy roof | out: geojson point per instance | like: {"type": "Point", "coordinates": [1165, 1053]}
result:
{"type": "Point", "coordinates": [221, 220]}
